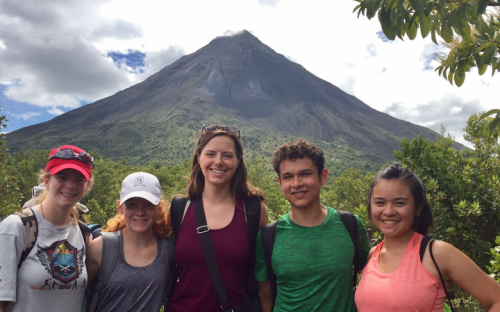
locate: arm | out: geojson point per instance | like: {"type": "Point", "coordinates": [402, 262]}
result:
{"type": "Point", "coordinates": [266, 296]}
{"type": "Point", "coordinates": [12, 236]}
{"type": "Point", "coordinates": [94, 257]}
{"type": "Point", "coordinates": [264, 218]}
{"type": "Point", "coordinates": [461, 270]}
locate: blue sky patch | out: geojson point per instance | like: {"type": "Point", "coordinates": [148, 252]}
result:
{"type": "Point", "coordinates": [132, 58]}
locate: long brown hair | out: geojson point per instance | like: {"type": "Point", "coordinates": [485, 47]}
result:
{"type": "Point", "coordinates": [240, 188]}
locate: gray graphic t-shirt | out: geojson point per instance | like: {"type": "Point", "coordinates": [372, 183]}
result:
{"type": "Point", "coordinates": [52, 278]}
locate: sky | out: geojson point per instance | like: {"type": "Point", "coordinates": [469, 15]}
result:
{"type": "Point", "coordinates": [57, 55]}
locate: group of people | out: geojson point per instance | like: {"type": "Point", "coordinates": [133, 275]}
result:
{"type": "Point", "coordinates": [204, 252]}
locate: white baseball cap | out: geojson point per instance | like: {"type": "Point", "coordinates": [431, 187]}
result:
{"type": "Point", "coordinates": [143, 185]}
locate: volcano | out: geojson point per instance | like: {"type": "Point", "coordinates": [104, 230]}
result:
{"type": "Point", "coordinates": [234, 80]}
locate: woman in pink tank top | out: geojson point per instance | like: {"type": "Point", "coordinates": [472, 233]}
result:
{"type": "Point", "coordinates": [395, 278]}
{"type": "Point", "coordinates": [219, 180]}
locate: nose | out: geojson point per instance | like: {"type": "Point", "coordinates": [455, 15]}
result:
{"type": "Point", "coordinates": [296, 181]}
{"type": "Point", "coordinates": [389, 210]}
{"type": "Point", "coordinates": [218, 159]}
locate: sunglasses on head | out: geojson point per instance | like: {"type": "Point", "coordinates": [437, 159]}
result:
{"type": "Point", "coordinates": [215, 128]}
{"type": "Point", "coordinates": [68, 153]}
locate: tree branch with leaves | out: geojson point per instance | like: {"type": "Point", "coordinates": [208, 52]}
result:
{"type": "Point", "coordinates": [471, 29]}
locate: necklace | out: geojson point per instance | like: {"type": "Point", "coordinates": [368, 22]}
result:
{"type": "Point", "coordinates": [41, 208]}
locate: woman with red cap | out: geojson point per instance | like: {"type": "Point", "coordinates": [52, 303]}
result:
{"type": "Point", "coordinates": [42, 263]}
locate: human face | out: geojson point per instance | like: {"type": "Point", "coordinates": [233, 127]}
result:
{"type": "Point", "coordinates": [218, 161]}
{"type": "Point", "coordinates": [393, 208]}
{"type": "Point", "coordinates": [66, 187]}
{"type": "Point", "coordinates": [140, 214]}
{"type": "Point", "coordinates": [301, 183]}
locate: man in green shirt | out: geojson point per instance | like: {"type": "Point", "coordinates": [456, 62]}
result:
{"type": "Point", "coordinates": [313, 253]}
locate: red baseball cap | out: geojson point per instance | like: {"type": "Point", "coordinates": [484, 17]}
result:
{"type": "Point", "coordinates": [56, 165]}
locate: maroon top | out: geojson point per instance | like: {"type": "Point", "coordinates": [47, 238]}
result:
{"type": "Point", "coordinates": [194, 290]}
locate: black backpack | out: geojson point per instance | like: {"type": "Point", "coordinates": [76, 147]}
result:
{"type": "Point", "coordinates": [268, 235]}
{"type": "Point", "coordinates": [252, 210]}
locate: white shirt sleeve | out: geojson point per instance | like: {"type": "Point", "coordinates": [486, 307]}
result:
{"type": "Point", "coordinates": [12, 235]}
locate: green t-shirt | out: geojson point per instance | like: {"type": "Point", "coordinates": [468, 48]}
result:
{"type": "Point", "coordinates": [313, 265]}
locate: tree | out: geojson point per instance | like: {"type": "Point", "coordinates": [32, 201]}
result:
{"type": "Point", "coordinates": [463, 187]}
{"type": "Point", "coordinates": [477, 39]}
{"type": "Point", "coordinates": [10, 195]}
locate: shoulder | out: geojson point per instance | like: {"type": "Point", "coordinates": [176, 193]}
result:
{"type": "Point", "coordinates": [12, 225]}
{"type": "Point", "coordinates": [94, 250]}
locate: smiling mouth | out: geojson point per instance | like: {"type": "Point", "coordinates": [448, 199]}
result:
{"type": "Point", "coordinates": [389, 221]}
{"type": "Point", "coordinates": [217, 171]}
{"type": "Point", "coordinates": [68, 194]}
{"type": "Point", "coordinates": [140, 220]}
{"type": "Point", "coordinates": [300, 193]}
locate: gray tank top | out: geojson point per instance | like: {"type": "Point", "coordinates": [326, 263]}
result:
{"type": "Point", "coordinates": [135, 288]}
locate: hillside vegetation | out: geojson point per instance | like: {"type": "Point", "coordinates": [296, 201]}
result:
{"type": "Point", "coordinates": [463, 188]}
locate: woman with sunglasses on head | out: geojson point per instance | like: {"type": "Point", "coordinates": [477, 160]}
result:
{"type": "Point", "coordinates": [42, 263]}
{"type": "Point", "coordinates": [407, 272]}
{"type": "Point", "coordinates": [217, 190]}
{"type": "Point", "coordinates": [140, 277]}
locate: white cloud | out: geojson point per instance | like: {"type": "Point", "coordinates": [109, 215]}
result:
{"type": "Point", "coordinates": [55, 111]}
{"type": "Point", "coordinates": [25, 116]}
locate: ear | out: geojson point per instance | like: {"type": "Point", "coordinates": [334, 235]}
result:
{"type": "Point", "coordinates": [323, 176]}
{"type": "Point", "coordinates": [120, 208]}
{"type": "Point", "coordinates": [279, 180]}
{"type": "Point", "coordinates": [46, 182]}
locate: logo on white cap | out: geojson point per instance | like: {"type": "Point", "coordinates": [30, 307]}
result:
{"type": "Point", "coordinates": [139, 181]}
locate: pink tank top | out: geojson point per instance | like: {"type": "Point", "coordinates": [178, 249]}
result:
{"type": "Point", "coordinates": [194, 290]}
{"type": "Point", "coordinates": [408, 288]}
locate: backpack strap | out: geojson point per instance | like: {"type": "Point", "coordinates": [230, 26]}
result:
{"type": "Point", "coordinates": [30, 223]}
{"type": "Point", "coordinates": [110, 249]}
{"type": "Point", "coordinates": [351, 225]}
{"type": "Point", "coordinates": [168, 249]}
{"type": "Point", "coordinates": [177, 208]}
{"type": "Point", "coordinates": [440, 276]}
{"type": "Point", "coordinates": [252, 214]}
{"type": "Point", "coordinates": [268, 235]}
{"type": "Point", "coordinates": [86, 233]}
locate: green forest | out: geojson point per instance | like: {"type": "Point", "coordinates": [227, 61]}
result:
{"type": "Point", "coordinates": [463, 188]}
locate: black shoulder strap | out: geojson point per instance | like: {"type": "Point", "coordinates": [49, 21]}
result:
{"type": "Point", "coordinates": [168, 249]}
{"type": "Point", "coordinates": [440, 276]}
{"type": "Point", "coordinates": [252, 214]}
{"type": "Point", "coordinates": [110, 250]}
{"type": "Point", "coordinates": [86, 233]}
{"type": "Point", "coordinates": [351, 225]}
{"type": "Point", "coordinates": [268, 235]}
{"type": "Point", "coordinates": [252, 210]}
{"type": "Point", "coordinates": [177, 212]}
{"type": "Point", "coordinates": [209, 254]}
{"type": "Point", "coordinates": [30, 223]}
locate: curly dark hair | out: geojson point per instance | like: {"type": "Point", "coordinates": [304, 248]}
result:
{"type": "Point", "coordinates": [424, 221]}
{"type": "Point", "coordinates": [298, 149]}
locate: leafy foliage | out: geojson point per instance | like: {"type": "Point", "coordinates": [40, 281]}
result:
{"type": "Point", "coordinates": [463, 187]}
{"type": "Point", "coordinates": [477, 43]}
{"type": "Point", "coordinates": [494, 267]}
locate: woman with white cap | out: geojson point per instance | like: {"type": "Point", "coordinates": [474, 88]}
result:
{"type": "Point", "coordinates": [42, 263]}
{"type": "Point", "coordinates": [140, 277]}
